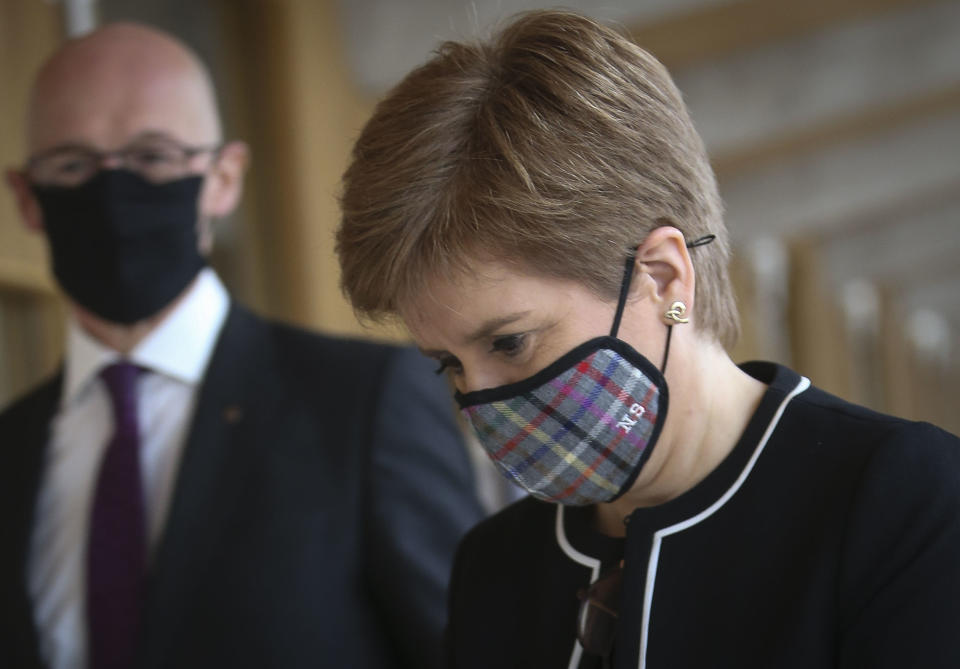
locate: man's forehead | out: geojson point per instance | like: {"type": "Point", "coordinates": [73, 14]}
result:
{"type": "Point", "coordinates": [103, 95]}
{"type": "Point", "coordinates": [107, 118]}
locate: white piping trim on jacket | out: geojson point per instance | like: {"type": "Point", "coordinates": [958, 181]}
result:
{"type": "Point", "coordinates": [592, 563]}
{"type": "Point", "coordinates": [703, 515]}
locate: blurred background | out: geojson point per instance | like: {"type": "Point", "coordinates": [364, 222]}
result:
{"type": "Point", "coordinates": [833, 126]}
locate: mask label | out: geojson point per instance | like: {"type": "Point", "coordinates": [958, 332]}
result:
{"type": "Point", "coordinates": [626, 423]}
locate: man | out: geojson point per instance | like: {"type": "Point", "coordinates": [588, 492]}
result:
{"type": "Point", "coordinates": [199, 487]}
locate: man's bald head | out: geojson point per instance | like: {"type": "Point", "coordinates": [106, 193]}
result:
{"type": "Point", "coordinates": [117, 83]}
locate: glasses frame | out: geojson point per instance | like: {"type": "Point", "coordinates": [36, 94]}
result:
{"type": "Point", "coordinates": [122, 154]}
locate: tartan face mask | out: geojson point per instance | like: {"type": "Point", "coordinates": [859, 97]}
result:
{"type": "Point", "coordinates": [579, 431]}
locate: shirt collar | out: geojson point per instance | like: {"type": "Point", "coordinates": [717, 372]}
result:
{"type": "Point", "coordinates": [179, 347]}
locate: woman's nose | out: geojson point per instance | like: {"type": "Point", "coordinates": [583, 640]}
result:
{"type": "Point", "coordinates": [477, 377]}
{"type": "Point", "coordinates": [467, 383]}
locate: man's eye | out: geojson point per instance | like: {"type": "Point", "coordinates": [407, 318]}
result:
{"type": "Point", "coordinates": [509, 344]}
{"type": "Point", "coordinates": [72, 165]}
{"type": "Point", "coordinates": [149, 157]}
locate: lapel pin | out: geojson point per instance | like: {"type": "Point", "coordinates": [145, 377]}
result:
{"type": "Point", "coordinates": [232, 414]}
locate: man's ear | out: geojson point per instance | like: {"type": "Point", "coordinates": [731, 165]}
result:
{"type": "Point", "coordinates": [27, 204]}
{"type": "Point", "coordinates": [664, 270]}
{"type": "Point", "coordinates": [224, 185]}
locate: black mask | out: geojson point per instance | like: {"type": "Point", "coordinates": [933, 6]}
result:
{"type": "Point", "coordinates": [123, 247]}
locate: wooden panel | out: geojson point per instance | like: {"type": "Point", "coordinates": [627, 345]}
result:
{"type": "Point", "coordinates": [30, 341]}
{"type": "Point", "coordinates": [719, 30]}
{"type": "Point", "coordinates": [31, 317]}
{"type": "Point", "coordinates": [811, 192]}
{"type": "Point", "coordinates": [837, 73]}
{"type": "Point", "coordinates": [301, 114]}
{"type": "Point", "coordinates": [29, 31]}
{"type": "Point", "coordinates": [818, 339]}
{"type": "Point", "coordinates": [747, 346]}
{"type": "Point", "coordinates": [833, 132]}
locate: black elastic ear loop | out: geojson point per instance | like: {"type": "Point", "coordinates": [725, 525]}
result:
{"type": "Point", "coordinates": [666, 350]}
{"type": "Point", "coordinates": [699, 241]}
{"type": "Point", "coordinates": [624, 291]}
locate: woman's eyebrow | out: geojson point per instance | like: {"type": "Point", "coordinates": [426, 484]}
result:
{"type": "Point", "coordinates": [485, 330]}
{"type": "Point", "coordinates": [492, 325]}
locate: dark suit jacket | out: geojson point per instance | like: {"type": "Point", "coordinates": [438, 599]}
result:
{"type": "Point", "coordinates": [322, 490]}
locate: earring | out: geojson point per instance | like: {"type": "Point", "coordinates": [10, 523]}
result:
{"type": "Point", "coordinates": [675, 313]}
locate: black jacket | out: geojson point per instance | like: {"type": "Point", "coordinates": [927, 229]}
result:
{"type": "Point", "coordinates": [831, 541]}
{"type": "Point", "coordinates": [322, 490]}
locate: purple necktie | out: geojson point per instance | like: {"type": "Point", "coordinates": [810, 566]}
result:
{"type": "Point", "coordinates": [116, 552]}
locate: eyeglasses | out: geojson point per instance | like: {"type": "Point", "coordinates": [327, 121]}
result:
{"type": "Point", "coordinates": [156, 159]}
{"type": "Point", "coordinates": [599, 610]}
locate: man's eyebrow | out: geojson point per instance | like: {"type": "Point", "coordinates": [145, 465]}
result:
{"type": "Point", "coordinates": [65, 146]}
{"type": "Point", "coordinates": [74, 145]}
{"type": "Point", "coordinates": [152, 134]}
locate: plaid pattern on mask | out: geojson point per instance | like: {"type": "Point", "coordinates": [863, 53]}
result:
{"type": "Point", "coordinates": [578, 438]}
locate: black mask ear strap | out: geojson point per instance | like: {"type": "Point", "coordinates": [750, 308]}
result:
{"type": "Point", "coordinates": [700, 241]}
{"type": "Point", "coordinates": [666, 350]}
{"type": "Point", "coordinates": [624, 291]}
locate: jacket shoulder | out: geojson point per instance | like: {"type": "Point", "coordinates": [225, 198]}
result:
{"type": "Point", "coordinates": [38, 401]}
{"type": "Point", "coordinates": [335, 371]}
{"type": "Point", "coordinates": [304, 349]}
{"type": "Point", "coordinates": [827, 419]}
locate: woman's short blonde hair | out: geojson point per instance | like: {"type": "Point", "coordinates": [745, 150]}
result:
{"type": "Point", "coordinates": [555, 146]}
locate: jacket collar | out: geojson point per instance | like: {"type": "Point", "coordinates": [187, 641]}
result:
{"type": "Point", "coordinates": [237, 398]}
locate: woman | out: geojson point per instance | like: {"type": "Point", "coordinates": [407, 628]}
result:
{"type": "Point", "coordinates": [540, 212]}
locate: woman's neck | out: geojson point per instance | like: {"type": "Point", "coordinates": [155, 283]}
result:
{"type": "Point", "coordinates": [711, 403]}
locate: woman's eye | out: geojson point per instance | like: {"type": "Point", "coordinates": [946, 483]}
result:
{"type": "Point", "coordinates": [509, 344]}
{"type": "Point", "coordinates": [451, 364]}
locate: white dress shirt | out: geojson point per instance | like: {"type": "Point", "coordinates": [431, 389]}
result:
{"type": "Point", "coordinates": [174, 357]}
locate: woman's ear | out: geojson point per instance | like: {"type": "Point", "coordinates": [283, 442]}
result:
{"type": "Point", "coordinates": [664, 271]}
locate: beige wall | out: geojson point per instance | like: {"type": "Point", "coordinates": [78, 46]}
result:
{"type": "Point", "coordinates": [287, 90]}
{"type": "Point", "coordinates": [294, 102]}
{"type": "Point", "coordinates": [289, 96]}
{"type": "Point", "coordinates": [28, 32]}
{"type": "Point", "coordinates": [30, 314]}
